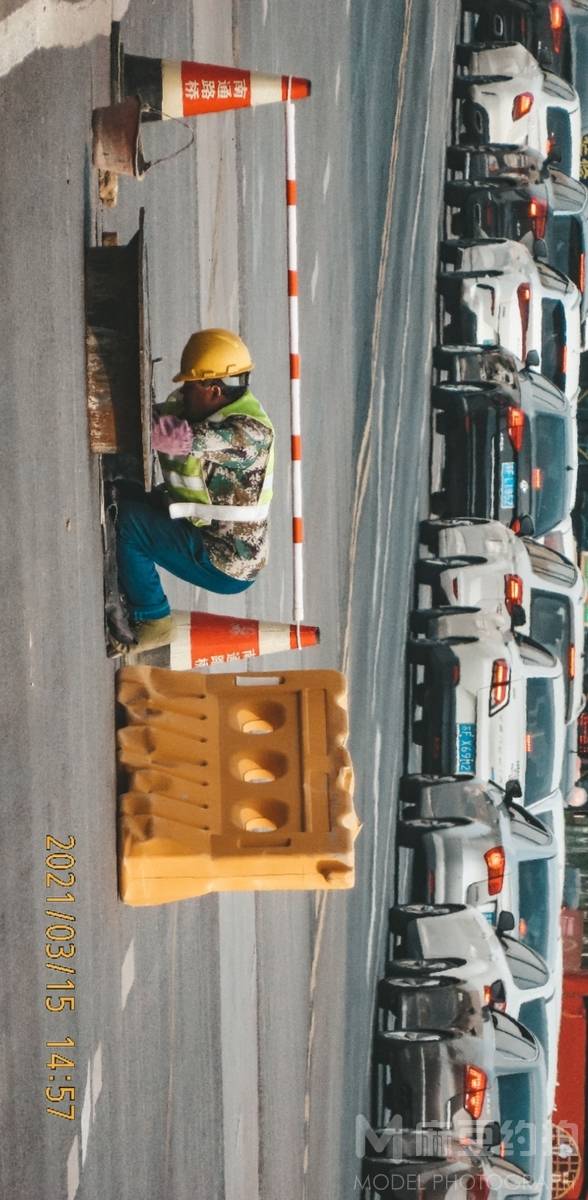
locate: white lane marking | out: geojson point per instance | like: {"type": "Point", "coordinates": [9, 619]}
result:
{"type": "Point", "coordinates": [376, 876]}
{"type": "Point", "coordinates": [264, 12]}
{"type": "Point", "coordinates": [73, 1169]}
{"type": "Point", "coordinates": [364, 457]}
{"type": "Point", "coordinates": [127, 974]}
{"type": "Point", "coordinates": [337, 82]}
{"type": "Point", "coordinates": [314, 277]}
{"type": "Point", "coordinates": [320, 911]}
{"type": "Point", "coordinates": [96, 1078]}
{"type": "Point", "coordinates": [408, 322]}
{"type": "Point", "coordinates": [41, 24]}
{"type": "Point", "coordinates": [86, 1113]}
{"type": "Point", "coordinates": [239, 1044]}
{"type": "Point", "coordinates": [173, 938]}
{"type": "Point", "coordinates": [327, 176]}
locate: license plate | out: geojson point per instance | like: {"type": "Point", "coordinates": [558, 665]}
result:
{"type": "Point", "coordinates": [508, 485]}
{"type": "Point", "coordinates": [466, 749]}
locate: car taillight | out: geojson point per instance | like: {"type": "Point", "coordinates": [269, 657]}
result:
{"type": "Point", "coordinates": [522, 927]}
{"type": "Point", "coordinates": [582, 273]}
{"type": "Point", "coordinates": [536, 479]}
{"type": "Point", "coordinates": [571, 662]}
{"type": "Point", "coordinates": [515, 424]}
{"type": "Point", "coordinates": [500, 686]}
{"type": "Point", "coordinates": [523, 104]}
{"type": "Point", "coordinates": [476, 1082]}
{"type": "Point", "coordinates": [479, 1188]}
{"type": "Point", "coordinates": [515, 525]}
{"type": "Point", "coordinates": [494, 860]}
{"type": "Point", "coordinates": [538, 214]}
{"type": "Point", "coordinates": [524, 298]}
{"type": "Point", "coordinates": [564, 360]}
{"type": "Point", "coordinates": [556, 20]}
{"type": "Point", "coordinates": [513, 591]}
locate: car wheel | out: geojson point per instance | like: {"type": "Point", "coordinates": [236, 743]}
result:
{"type": "Point", "coordinates": [449, 397]}
{"type": "Point", "coordinates": [464, 50]}
{"type": "Point", "coordinates": [393, 1037]}
{"type": "Point", "coordinates": [444, 356]}
{"type": "Point", "coordinates": [421, 618]}
{"type": "Point", "coordinates": [463, 83]}
{"type": "Point", "coordinates": [450, 248]}
{"type": "Point", "coordinates": [389, 990]}
{"type": "Point", "coordinates": [411, 788]}
{"type": "Point", "coordinates": [429, 530]}
{"type": "Point", "coordinates": [410, 832]}
{"type": "Point", "coordinates": [401, 916]}
{"type": "Point", "coordinates": [450, 282]}
{"type": "Point", "coordinates": [428, 570]}
{"type": "Point", "coordinates": [405, 967]}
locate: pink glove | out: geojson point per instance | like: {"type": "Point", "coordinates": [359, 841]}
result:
{"type": "Point", "coordinates": [172, 435]}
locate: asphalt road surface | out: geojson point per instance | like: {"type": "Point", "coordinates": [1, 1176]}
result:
{"type": "Point", "coordinates": [222, 1046]}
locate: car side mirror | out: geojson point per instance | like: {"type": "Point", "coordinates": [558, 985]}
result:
{"type": "Point", "coordinates": [527, 527]}
{"type": "Point", "coordinates": [540, 249]}
{"type": "Point", "coordinates": [518, 616]}
{"type": "Point", "coordinates": [532, 359]}
{"type": "Point", "coordinates": [505, 923]}
{"type": "Point", "coordinates": [492, 1135]}
{"type": "Point", "coordinates": [513, 791]}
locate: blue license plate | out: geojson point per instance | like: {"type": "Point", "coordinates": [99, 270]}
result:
{"type": "Point", "coordinates": [466, 748]}
{"type": "Point", "coordinates": [508, 485]}
{"type": "Point", "coordinates": [490, 916]}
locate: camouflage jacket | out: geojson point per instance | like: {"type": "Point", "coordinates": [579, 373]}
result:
{"type": "Point", "coordinates": [233, 450]}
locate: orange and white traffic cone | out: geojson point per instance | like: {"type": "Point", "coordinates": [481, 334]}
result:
{"type": "Point", "coordinates": [201, 639]}
{"type": "Point", "coordinates": [189, 89]}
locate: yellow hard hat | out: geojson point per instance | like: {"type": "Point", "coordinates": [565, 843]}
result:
{"type": "Point", "coordinates": [212, 354]}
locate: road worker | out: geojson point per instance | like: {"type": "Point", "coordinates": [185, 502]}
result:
{"type": "Point", "coordinates": [215, 446]}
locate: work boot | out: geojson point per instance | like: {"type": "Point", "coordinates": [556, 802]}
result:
{"type": "Point", "coordinates": [151, 634]}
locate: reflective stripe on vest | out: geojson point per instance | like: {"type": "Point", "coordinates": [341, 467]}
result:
{"type": "Point", "coordinates": [243, 513]}
{"type": "Point", "coordinates": [185, 481]}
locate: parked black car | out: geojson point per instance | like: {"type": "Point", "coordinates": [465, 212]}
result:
{"type": "Point", "coordinates": [509, 445]}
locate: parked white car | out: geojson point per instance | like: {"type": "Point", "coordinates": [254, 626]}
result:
{"type": "Point", "coordinates": [511, 576]}
{"type": "Point", "coordinates": [507, 97]}
{"type": "Point", "coordinates": [492, 702]}
{"type": "Point", "coordinates": [511, 975]}
{"type": "Point", "coordinates": [498, 294]}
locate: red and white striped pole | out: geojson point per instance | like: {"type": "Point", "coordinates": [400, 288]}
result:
{"type": "Point", "coordinates": [295, 416]}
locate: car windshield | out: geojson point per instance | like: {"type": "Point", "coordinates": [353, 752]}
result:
{"type": "Point", "coordinates": [534, 905]}
{"type": "Point", "coordinates": [539, 739]}
{"type": "Point", "coordinates": [516, 1120]}
{"type": "Point", "coordinates": [551, 626]}
{"type": "Point", "coordinates": [565, 244]}
{"type": "Point", "coordinates": [547, 493]}
{"type": "Point", "coordinates": [533, 1015]}
{"type": "Point", "coordinates": [559, 134]}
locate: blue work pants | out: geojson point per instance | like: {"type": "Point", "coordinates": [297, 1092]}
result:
{"type": "Point", "coordinates": [148, 537]}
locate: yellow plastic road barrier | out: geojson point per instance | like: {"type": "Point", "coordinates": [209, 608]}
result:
{"type": "Point", "coordinates": [235, 783]}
